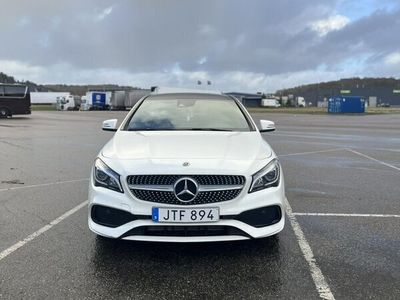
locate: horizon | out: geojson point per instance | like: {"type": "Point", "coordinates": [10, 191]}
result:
{"type": "Point", "coordinates": [17, 81]}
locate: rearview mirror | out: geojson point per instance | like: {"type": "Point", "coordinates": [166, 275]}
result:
{"type": "Point", "coordinates": [110, 125]}
{"type": "Point", "coordinates": [267, 126]}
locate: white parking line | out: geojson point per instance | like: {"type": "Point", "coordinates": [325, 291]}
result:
{"type": "Point", "coordinates": [374, 159]}
{"type": "Point", "coordinates": [381, 149]}
{"type": "Point", "coordinates": [314, 137]}
{"type": "Point", "coordinates": [41, 184]}
{"type": "Point", "coordinates": [311, 152]}
{"type": "Point", "coordinates": [322, 286]}
{"type": "Point", "coordinates": [37, 233]}
{"type": "Point", "coordinates": [337, 145]}
{"type": "Point", "coordinates": [346, 215]}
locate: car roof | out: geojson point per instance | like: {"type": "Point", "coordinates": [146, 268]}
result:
{"type": "Point", "coordinates": [187, 96]}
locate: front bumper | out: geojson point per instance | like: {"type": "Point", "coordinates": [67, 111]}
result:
{"type": "Point", "coordinates": [236, 221]}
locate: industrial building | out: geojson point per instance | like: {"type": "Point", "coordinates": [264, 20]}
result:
{"type": "Point", "coordinates": [249, 100]}
{"type": "Point", "coordinates": [374, 91]}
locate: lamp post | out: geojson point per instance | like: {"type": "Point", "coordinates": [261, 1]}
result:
{"type": "Point", "coordinates": [207, 82]}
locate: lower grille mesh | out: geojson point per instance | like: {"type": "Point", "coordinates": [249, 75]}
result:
{"type": "Point", "coordinates": [169, 197]}
{"type": "Point", "coordinates": [185, 231]}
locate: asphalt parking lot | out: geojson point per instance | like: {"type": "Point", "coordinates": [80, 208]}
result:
{"type": "Point", "coordinates": [342, 238]}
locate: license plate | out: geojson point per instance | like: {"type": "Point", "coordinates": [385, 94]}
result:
{"type": "Point", "coordinates": [185, 215]}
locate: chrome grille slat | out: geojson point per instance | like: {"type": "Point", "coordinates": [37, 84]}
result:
{"type": "Point", "coordinates": [210, 188]}
{"type": "Point", "coordinates": [150, 187]}
{"type": "Point", "coordinates": [170, 188]}
{"type": "Point", "coordinates": [160, 188]}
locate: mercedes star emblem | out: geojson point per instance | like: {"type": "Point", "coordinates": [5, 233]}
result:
{"type": "Point", "coordinates": [186, 189]}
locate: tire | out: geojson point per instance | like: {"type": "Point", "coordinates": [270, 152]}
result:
{"type": "Point", "coordinates": [4, 112]}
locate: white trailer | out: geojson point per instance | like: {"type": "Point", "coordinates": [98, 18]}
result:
{"type": "Point", "coordinates": [118, 99]}
{"type": "Point", "coordinates": [47, 97]}
{"type": "Point", "coordinates": [270, 102]}
{"type": "Point", "coordinates": [134, 96]}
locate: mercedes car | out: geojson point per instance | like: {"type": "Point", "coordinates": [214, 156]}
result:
{"type": "Point", "coordinates": [187, 167]}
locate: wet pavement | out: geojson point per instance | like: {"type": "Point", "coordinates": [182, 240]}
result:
{"type": "Point", "coordinates": [340, 165]}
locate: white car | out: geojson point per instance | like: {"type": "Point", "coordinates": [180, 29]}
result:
{"type": "Point", "coordinates": [187, 167]}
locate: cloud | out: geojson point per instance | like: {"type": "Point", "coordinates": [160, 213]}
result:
{"type": "Point", "coordinates": [393, 58]}
{"type": "Point", "coordinates": [206, 30]}
{"type": "Point", "coordinates": [202, 60]}
{"type": "Point", "coordinates": [23, 21]}
{"type": "Point", "coordinates": [238, 45]}
{"type": "Point", "coordinates": [104, 13]}
{"type": "Point", "coordinates": [323, 27]}
{"type": "Point", "coordinates": [21, 70]}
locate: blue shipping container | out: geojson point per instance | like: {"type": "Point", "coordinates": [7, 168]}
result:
{"type": "Point", "coordinates": [99, 100]}
{"type": "Point", "coordinates": [346, 104]}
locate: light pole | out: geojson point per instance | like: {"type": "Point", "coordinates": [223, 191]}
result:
{"type": "Point", "coordinates": [207, 83]}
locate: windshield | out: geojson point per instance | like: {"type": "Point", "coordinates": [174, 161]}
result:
{"type": "Point", "coordinates": [188, 114]}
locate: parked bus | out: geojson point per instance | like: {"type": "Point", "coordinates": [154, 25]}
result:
{"type": "Point", "coordinates": [14, 100]}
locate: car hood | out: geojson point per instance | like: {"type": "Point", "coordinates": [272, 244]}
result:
{"type": "Point", "coordinates": [150, 145]}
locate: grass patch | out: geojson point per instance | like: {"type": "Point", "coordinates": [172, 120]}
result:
{"type": "Point", "coordinates": [289, 110]}
{"type": "Point", "coordinates": [43, 107]}
{"type": "Point", "coordinates": [383, 110]}
{"type": "Point", "coordinates": [318, 110]}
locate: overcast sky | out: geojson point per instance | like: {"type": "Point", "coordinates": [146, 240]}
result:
{"type": "Point", "coordinates": [243, 45]}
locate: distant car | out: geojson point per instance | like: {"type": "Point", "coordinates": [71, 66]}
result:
{"type": "Point", "coordinates": [385, 105]}
{"type": "Point", "coordinates": [187, 167]}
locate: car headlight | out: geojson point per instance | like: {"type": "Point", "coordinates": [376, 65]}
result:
{"type": "Point", "coordinates": [106, 177]}
{"type": "Point", "coordinates": [266, 177]}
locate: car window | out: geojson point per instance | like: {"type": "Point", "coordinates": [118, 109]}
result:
{"type": "Point", "coordinates": [188, 114]}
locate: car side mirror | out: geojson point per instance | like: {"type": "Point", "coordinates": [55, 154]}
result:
{"type": "Point", "coordinates": [267, 126]}
{"type": "Point", "coordinates": [110, 125]}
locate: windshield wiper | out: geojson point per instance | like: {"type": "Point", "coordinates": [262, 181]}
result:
{"type": "Point", "coordinates": [177, 129]}
{"type": "Point", "coordinates": [151, 129]}
{"type": "Point", "coordinates": [208, 129]}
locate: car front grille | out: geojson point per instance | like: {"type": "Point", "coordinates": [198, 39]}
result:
{"type": "Point", "coordinates": [171, 179]}
{"type": "Point", "coordinates": [160, 188]}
